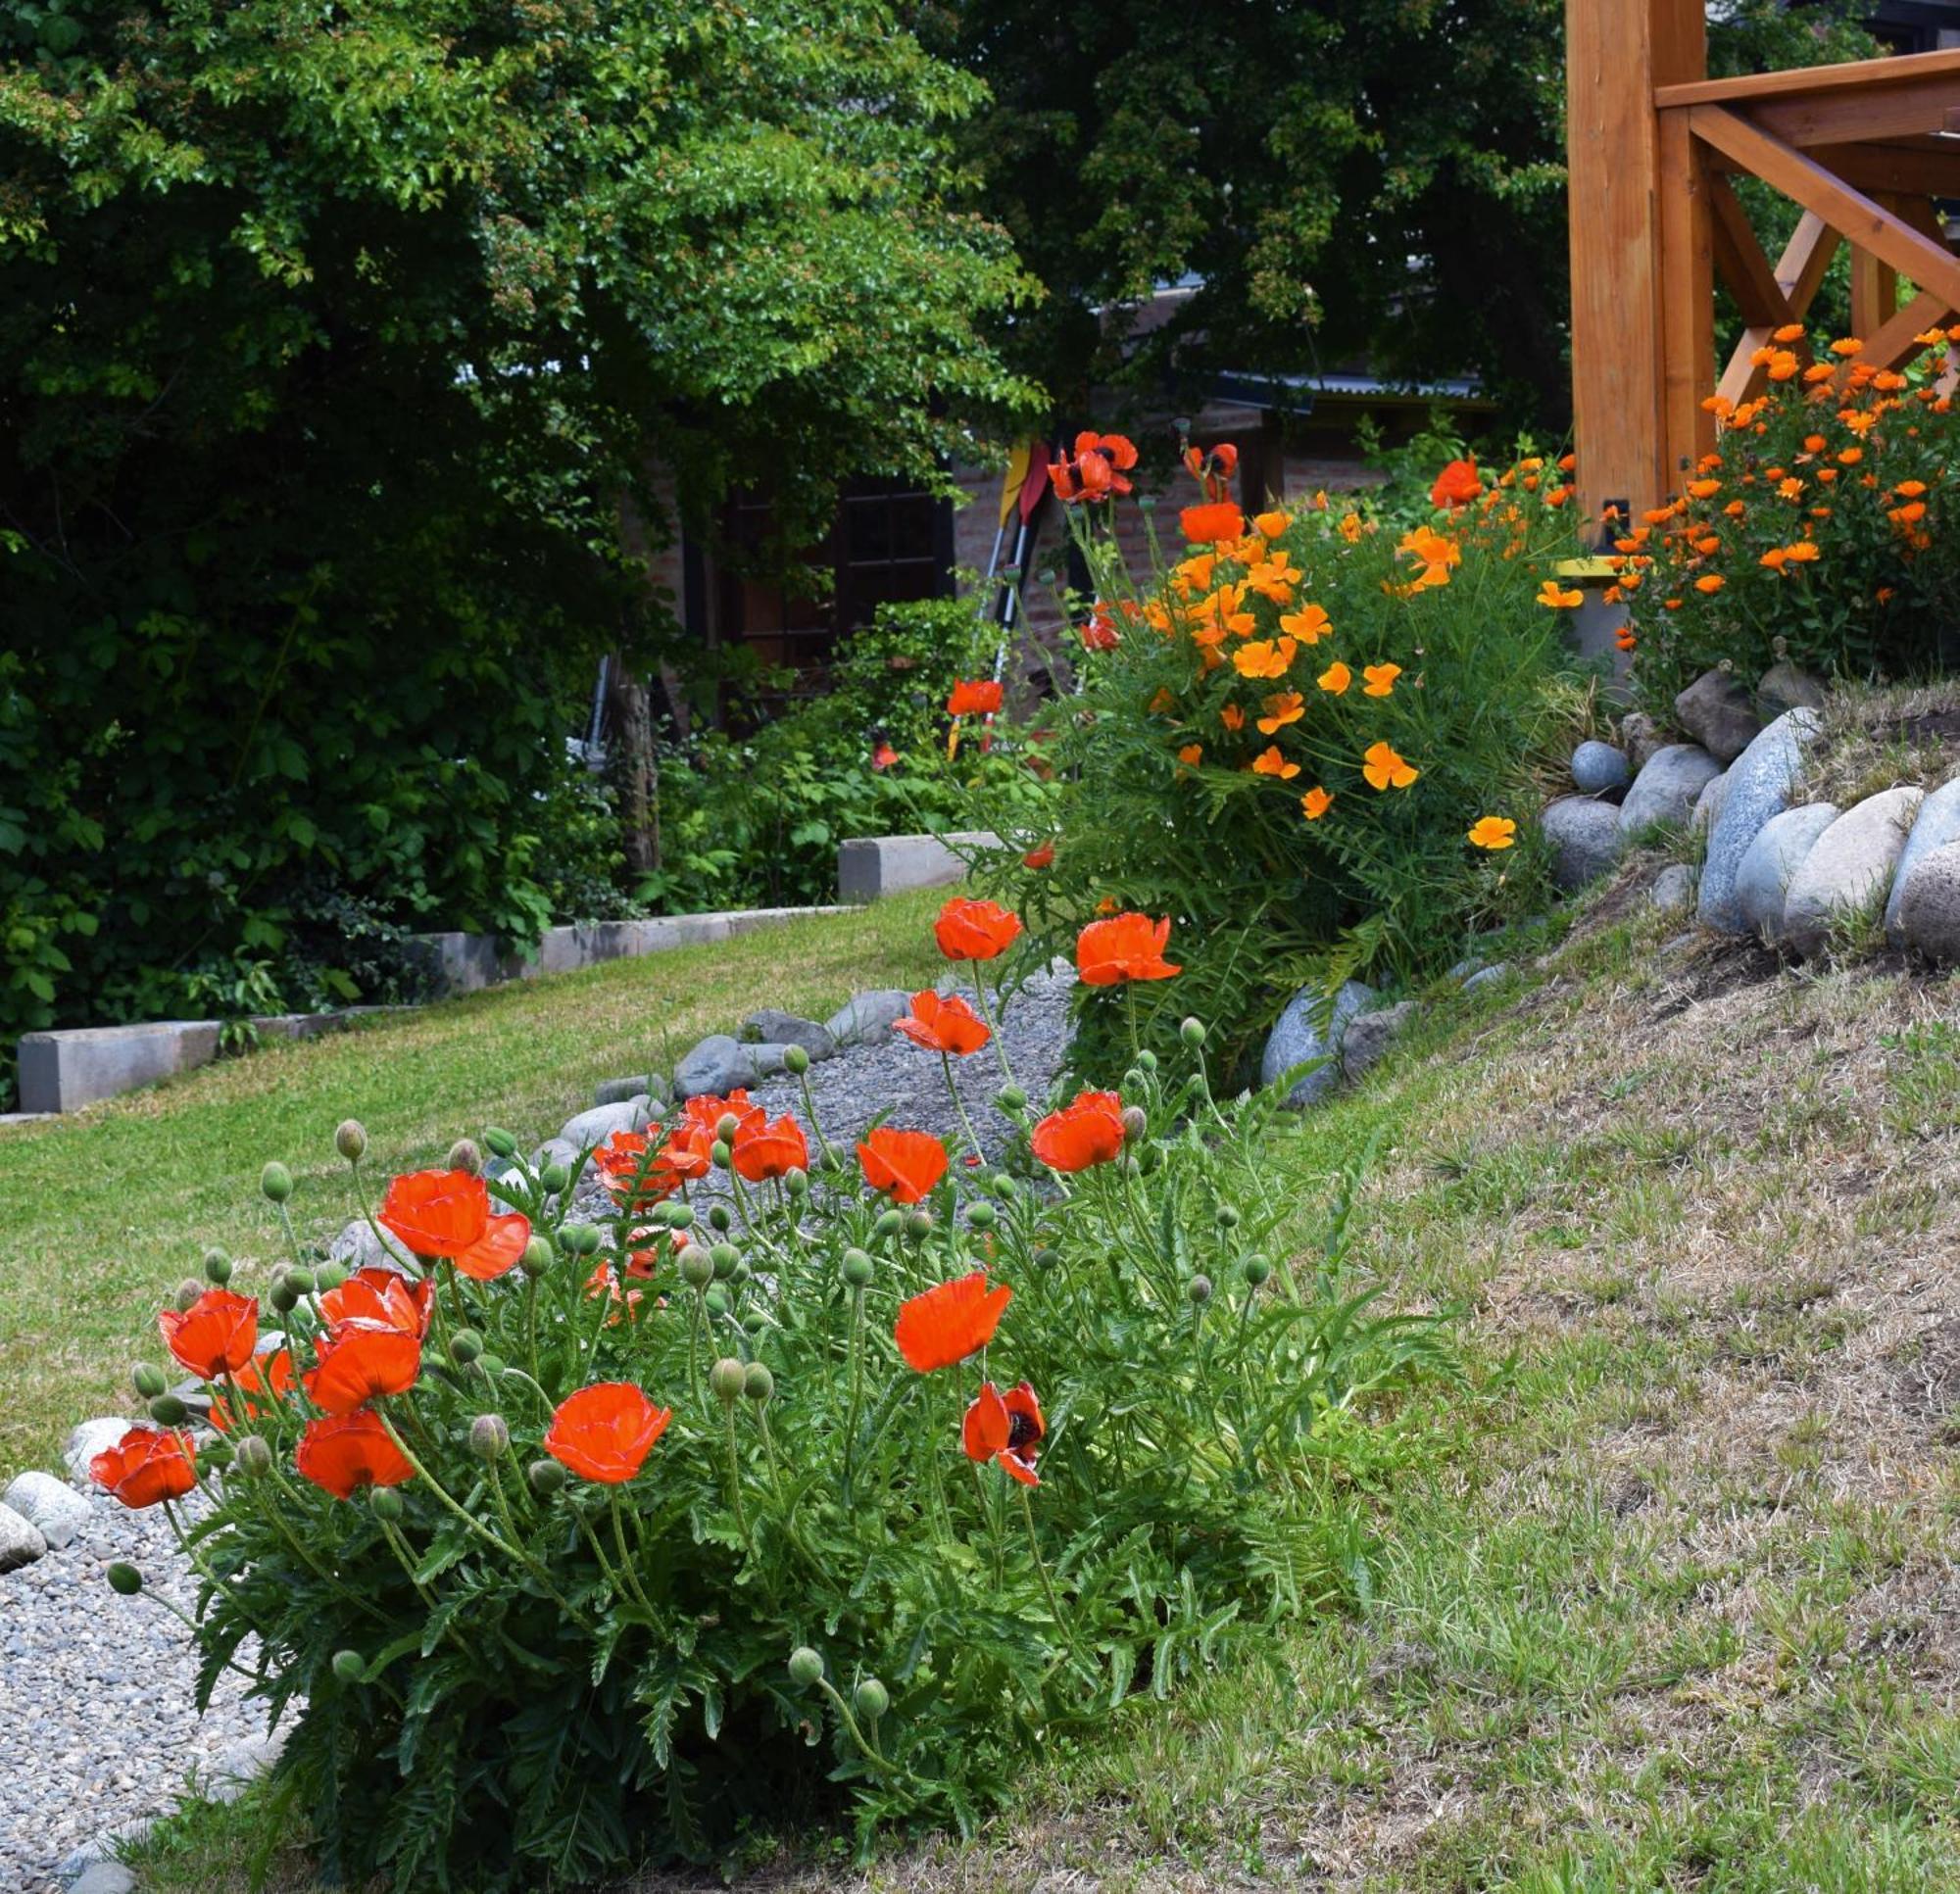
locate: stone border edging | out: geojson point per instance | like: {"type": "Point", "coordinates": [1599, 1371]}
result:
{"type": "Point", "coordinates": [870, 868]}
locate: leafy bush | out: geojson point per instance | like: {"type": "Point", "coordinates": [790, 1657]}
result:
{"type": "Point", "coordinates": [1824, 529]}
{"type": "Point", "coordinates": [758, 1500]}
{"type": "Point", "coordinates": [1283, 740]}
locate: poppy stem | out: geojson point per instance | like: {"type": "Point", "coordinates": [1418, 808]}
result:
{"type": "Point", "coordinates": [850, 1722]}
{"type": "Point", "coordinates": [993, 1026]}
{"type": "Point", "coordinates": [1061, 1624]}
{"type": "Point", "coordinates": [960, 1107]}
{"type": "Point", "coordinates": [810, 1111]}
{"type": "Point", "coordinates": [857, 1384]}
{"type": "Point", "coordinates": [626, 1558]}
{"type": "Point", "coordinates": [196, 1630]}
{"type": "Point", "coordinates": [735, 1472]}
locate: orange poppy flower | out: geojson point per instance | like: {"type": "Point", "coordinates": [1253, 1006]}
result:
{"type": "Point", "coordinates": [1704, 488]}
{"type": "Point", "coordinates": [1232, 717]}
{"type": "Point", "coordinates": [944, 1023]}
{"type": "Point", "coordinates": [1551, 593]}
{"type": "Point", "coordinates": [1336, 678]}
{"type": "Point", "coordinates": [604, 1281]}
{"type": "Point", "coordinates": [499, 1250]}
{"type": "Point", "coordinates": [1192, 754]}
{"type": "Point", "coordinates": [1310, 624]}
{"type": "Point", "coordinates": [946, 1323]}
{"type": "Point", "coordinates": [361, 1362]}
{"type": "Point", "coordinates": [1381, 679]}
{"type": "Point", "coordinates": [640, 1171]}
{"type": "Point", "coordinates": [447, 1213]}
{"type": "Point", "coordinates": [1099, 632]}
{"type": "Point", "coordinates": [1456, 485]}
{"type": "Point", "coordinates": [270, 1375]}
{"type": "Point", "coordinates": [603, 1432]}
{"type": "Point", "coordinates": [384, 1297]}
{"type": "Point", "coordinates": [1711, 582]}
{"type": "Point", "coordinates": [1494, 832]}
{"type": "Point", "coordinates": [1040, 858]}
{"type": "Point", "coordinates": [1270, 762]}
{"type": "Point", "coordinates": [1005, 1428]}
{"type": "Point", "coordinates": [146, 1467]}
{"type": "Point", "coordinates": [1385, 770]}
{"type": "Point", "coordinates": [772, 1148]}
{"type": "Point", "coordinates": [1846, 345]}
{"type": "Point", "coordinates": [345, 1453]}
{"type": "Point", "coordinates": [1096, 469]}
{"type": "Point", "coordinates": [904, 1164]}
{"type": "Point", "coordinates": [1289, 707]}
{"type": "Point", "coordinates": [1089, 1131]}
{"type": "Point", "coordinates": [975, 930]}
{"type": "Point", "coordinates": [1624, 639]}
{"type": "Point", "coordinates": [1126, 947]}
{"type": "Point", "coordinates": [1212, 522]}
{"type": "Point", "coordinates": [1273, 524]}
{"type": "Point", "coordinates": [213, 1337]}
{"type": "Point", "coordinates": [974, 696]}
{"type": "Point", "coordinates": [1264, 658]}
{"type": "Point", "coordinates": [1315, 803]}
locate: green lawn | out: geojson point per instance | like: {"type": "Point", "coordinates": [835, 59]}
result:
{"type": "Point", "coordinates": [103, 1212]}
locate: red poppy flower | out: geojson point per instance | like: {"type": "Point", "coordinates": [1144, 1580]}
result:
{"type": "Point", "coordinates": [884, 756]}
{"type": "Point", "coordinates": [637, 1169]}
{"type": "Point", "coordinates": [1087, 1131]}
{"type": "Point", "coordinates": [977, 697]}
{"type": "Point", "coordinates": [604, 1281]}
{"type": "Point", "coordinates": [347, 1452]}
{"type": "Point", "coordinates": [1040, 858]}
{"type": "Point", "coordinates": [270, 1375]}
{"type": "Point", "coordinates": [380, 1296]}
{"type": "Point", "coordinates": [1008, 1428]}
{"type": "Point", "coordinates": [970, 930]}
{"type": "Point", "coordinates": [146, 1467]}
{"type": "Point", "coordinates": [1125, 946]}
{"type": "Point", "coordinates": [447, 1213]}
{"type": "Point", "coordinates": [362, 1361]}
{"type": "Point", "coordinates": [1213, 470]}
{"type": "Point", "coordinates": [944, 1023]}
{"type": "Point", "coordinates": [215, 1335]}
{"type": "Point", "coordinates": [1456, 485]}
{"type": "Point", "coordinates": [904, 1164]}
{"type": "Point", "coordinates": [500, 1249]}
{"type": "Point", "coordinates": [1096, 469]}
{"type": "Point", "coordinates": [946, 1323]}
{"type": "Point", "coordinates": [605, 1432]}
{"type": "Point", "coordinates": [1099, 631]}
{"type": "Point", "coordinates": [769, 1150]}
{"type": "Point", "coordinates": [1216, 520]}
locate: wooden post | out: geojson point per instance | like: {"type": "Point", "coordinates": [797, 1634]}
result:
{"type": "Point", "coordinates": [1616, 52]}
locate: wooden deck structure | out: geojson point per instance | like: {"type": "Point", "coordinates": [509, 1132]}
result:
{"type": "Point", "coordinates": [1862, 150]}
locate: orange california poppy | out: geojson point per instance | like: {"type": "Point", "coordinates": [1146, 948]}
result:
{"type": "Point", "coordinates": [1289, 707]}
{"type": "Point", "coordinates": [1190, 754]}
{"type": "Point", "coordinates": [269, 1375]}
{"type": "Point", "coordinates": [603, 1432]}
{"type": "Point", "coordinates": [361, 1362]}
{"type": "Point", "coordinates": [1214, 521]}
{"type": "Point", "coordinates": [1125, 946]}
{"type": "Point", "coordinates": [1315, 803]}
{"type": "Point", "coordinates": [1310, 624]}
{"type": "Point", "coordinates": [1264, 658]}
{"type": "Point", "coordinates": [976, 697]}
{"type": "Point", "coordinates": [904, 1164]}
{"type": "Point", "coordinates": [1273, 524]}
{"type": "Point", "coordinates": [1456, 485]}
{"type": "Point", "coordinates": [1711, 582]}
{"type": "Point", "coordinates": [1551, 593]}
{"type": "Point", "coordinates": [1494, 832]}
{"type": "Point", "coordinates": [772, 1148]}
{"type": "Point", "coordinates": [975, 930]}
{"type": "Point", "coordinates": [146, 1467]}
{"type": "Point", "coordinates": [1040, 857]}
{"type": "Point", "coordinates": [1089, 1131]}
{"type": "Point", "coordinates": [944, 1023]}
{"type": "Point", "coordinates": [1005, 1428]}
{"type": "Point", "coordinates": [1270, 762]}
{"type": "Point", "coordinates": [1232, 717]}
{"type": "Point", "coordinates": [946, 1323]}
{"type": "Point", "coordinates": [1381, 679]}
{"type": "Point", "coordinates": [1384, 770]}
{"type": "Point", "coordinates": [347, 1452]}
{"type": "Point", "coordinates": [215, 1335]}
{"type": "Point", "coordinates": [382, 1296]}
{"type": "Point", "coordinates": [1336, 678]}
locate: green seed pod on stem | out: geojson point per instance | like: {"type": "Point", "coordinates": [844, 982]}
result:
{"type": "Point", "coordinates": [859, 1267]}
{"type": "Point", "coordinates": [1147, 1060]}
{"type": "Point", "coordinates": [795, 1061]}
{"type": "Point", "coordinates": [554, 1177]}
{"type": "Point", "coordinates": [757, 1384]}
{"type": "Point", "coordinates": [1191, 1033]}
{"type": "Point", "coordinates": [918, 1225]}
{"type": "Point", "coordinates": [300, 1280]}
{"type": "Point", "coordinates": [726, 1259]}
{"type": "Point", "coordinates": [188, 1290]}
{"type": "Point", "coordinates": [696, 1267]}
{"type": "Point", "coordinates": [329, 1275]}
{"type": "Point", "coordinates": [718, 1300]}
{"type": "Point", "coordinates": [491, 1367]}
{"type": "Point", "coordinates": [255, 1456]}
{"type": "Point", "coordinates": [1255, 1270]}
{"type": "Point", "coordinates": [754, 1322]}
{"type": "Point", "coordinates": [216, 1266]}
{"type": "Point", "coordinates": [123, 1577]}
{"type": "Point", "coordinates": [871, 1699]}
{"type": "Point", "coordinates": [465, 1345]}
{"type": "Point", "coordinates": [489, 1436]}
{"type": "Point", "coordinates": [168, 1411]}
{"type": "Point", "coordinates": [500, 1143]}
{"type": "Point", "coordinates": [797, 1182]}
{"type": "Point", "coordinates": [463, 1156]}
{"type": "Point", "coordinates": [805, 1667]}
{"type": "Point", "coordinates": [727, 1378]}
{"type": "Point", "coordinates": [725, 1128]}
{"type": "Point", "coordinates": [1136, 1123]}
{"type": "Point", "coordinates": [720, 1153]}
{"type": "Point", "coordinates": [1226, 1215]}
{"type": "Point", "coordinates": [349, 1139]}
{"type": "Point", "coordinates": [1199, 1289]}
{"type": "Point", "coordinates": [720, 1217]}
{"type": "Point", "coordinates": [888, 1223]}
{"type": "Point", "coordinates": [1010, 1097]}
{"type": "Point", "coordinates": [546, 1477]}
{"type": "Point", "coordinates": [539, 1255]}
{"type": "Point", "coordinates": [350, 1667]}
{"type": "Point", "coordinates": [385, 1503]}
{"type": "Point", "coordinates": [149, 1380]}
{"type": "Point", "coordinates": [982, 1215]}
{"type": "Point", "coordinates": [276, 1181]}
{"type": "Point", "coordinates": [681, 1216]}
{"type": "Point", "coordinates": [1004, 1186]}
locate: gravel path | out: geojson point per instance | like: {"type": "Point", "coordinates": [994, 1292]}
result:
{"type": "Point", "coordinates": [96, 1727]}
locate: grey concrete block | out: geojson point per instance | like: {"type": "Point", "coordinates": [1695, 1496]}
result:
{"type": "Point", "coordinates": [67, 1070]}
{"type": "Point", "coordinates": [873, 867]}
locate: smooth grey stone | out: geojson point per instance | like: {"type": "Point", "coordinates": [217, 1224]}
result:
{"type": "Point", "coordinates": [1759, 784]}
{"type": "Point", "coordinates": [868, 1016]}
{"type": "Point", "coordinates": [196, 1396]}
{"type": "Point", "coordinates": [1849, 868]}
{"type": "Point", "coordinates": [553, 1150]}
{"type": "Point", "coordinates": [1783, 687]}
{"type": "Point", "coordinates": [1929, 914]}
{"type": "Point", "coordinates": [1370, 1035]}
{"type": "Point", "coordinates": [1673, 889]}
{"type": "Point", "coordinates": [1709, 805]}
{"type": "Point", "coordinates": [1938, 824]}
{"type": "Point", "coordinates": [619, 1092]}
{"type": "Point", "coordinates": [1584, 836]}
{"type": "Point", "coordinates": [49, 1504]}
{"type": "Point", "coordinates": [775, 1028]}
{"type": "Point", "coordinates": [719, 1064]}
{"type": "Point", "coordinates": [1598, 766]}
{"type": "Point", "coordinates": [1639, 736]}
{"type": "Point", "coordinates": [104, 1878]}
{"type": "Point", "coordinates": [596, 1126]}
{"type": "Point", "coordinates": [1488, 976]}
{"type": "Point", "coordinates": [766, 1060]}
{"type": "Point", "coordinates": [1665, 792]}
{"type": "Point", "coordinates": [1762, 881]}
{"type": "Point", "coordinates": [359, 1246]}
{"type": "Point", "coordinates": [1311, 1027]}
{"type": "Point", "coordinates": [1463, 970]}
{"type": "Point", "coordinates": [20, 1541]}
{"type": "Point", "coordinates": [1719, 714]}
{"type": "Point", "coordinates": [88, 1439]}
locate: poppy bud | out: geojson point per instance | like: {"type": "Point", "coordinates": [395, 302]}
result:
{"type": "Point", "coordinates": [465, 1345]}
{"type": "Point", "coordinates": [1010, 1097]}
{"type": "Point", "coordinates": [385, 1503]}
{"type": "Point", "coordinates": [797, 1182]}
{"type": "Point", "coordinates": [188, 1292]}
{"type": "Point", "coordinates": [795, 1061]}
{"type": "Point", "coordinates": [1199, 1289]}
{"type": "Point", "coordinates": [168, 1411]}
{"type": "Point", "coordinates": [726, 1380]}
{"type": "Point", "coordinates": [1191, 1033]}
{"type": "Point", "coordinates": [489, 1436]}
{"type": "Point", "coordinates": [554, 1177]}
{"type": "Point", "coordinates": [300, 1280]}
{"type": "Point", "coordinates": [255, 1457]}
{"type": "Point", "coordinates": [1227, 1216]}
{"type": "Point", "coordinates": [696, 1267]}
{"type": "Point", "coordinates": [720, 1217]}
{"type": "Point", "coordinates": [857, 1268]}
{"type": "Point", "coordinates": [500, 1143]}
{"type": "Point", "coordinates": [754, 1322]}
{"type": "Point", "coordinates": [724, 1257]}
{"type": "Point", "coordinates": [216, 1266]}
{"type": "Point", "coordinates": [805, 1667]}
{"type": "Point", "coordinates": [1046, 1258]}
{"type": "Point", "coordinates": [719, 1154]}
{"type": "Point", "coordinates": [717, 1301]}
{"type": "Point", "coordinates": [283, 1296]}
{"type": "Point", "coordinates": [1004, 1185]}
{"type": "Point", "coordinates": [465, 1157]}
{"type": "Point", "coordinates": [1148, 1059]}
{"type": "Point", "coordinates": [276, 1181]}
{"type": "Point", "coordinates": [349, 1666]}
{"type": "Point", "coordinates": [888, 1223]}
{"type": "Point", "coordinates": [872, 1699]}
{"type": "Point", "coordinates": [681, 1216]}
{"type": "Point", "coordinates": [982, 1216]}
{"type": "Point", "coordinates": [547, 1477]}
{"type": "Point", "coordinates": [581, 1239]}
{"type": "Point", "coordinates": [918, 1225]}
{"type": "Point", "coordinates": [1136, 1122]}
{"type": "Point", "coordinates": [123, 1577]}
{"type": "Point", "coordinates": [1133, 1079]}
{"type": "Point", "coordinates": [539, 1255]}
{"type": "Point", "coordinates": [490, 1367]}
{"type": "Point", "coordinates": [329, 1275]}
{"type": "Point", "coordinates": [759, 1384]}
{"type": "Point", "coordinates": [726, 1126]}
{"type": "Point", "coordinates": [1255, 1270]}
{"type": "Point", "coordinates": [149, 1380]}
{"type": "Point", "coordinates": [349, 1139]}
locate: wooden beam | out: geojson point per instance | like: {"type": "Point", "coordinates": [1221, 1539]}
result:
{"type": "Point", "coordinates": [1857, 74]}
{"type": "Point", "coordinates": [1799, 274]}
{"type": "Point", "coordinates": [1893, 342]}
{"type": "Point", "coordinates": [1914, 170]}
{"type": "Point", "coordinates": [1932, 104]}
{"type": "Point", "coordinates": [1761, 299]}
{"type": "Point", "coordinates": [1687, 299]}
{"type": "Point", "coordinates": [1874, 285]}
{"type": "Point", "coordinates": [1854, 216]}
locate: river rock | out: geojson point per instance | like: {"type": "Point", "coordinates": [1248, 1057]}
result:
{"type": "Point", "coordinates": [1783, 687]}
{"type": "Point", "coordinates": [1584, 836]}
{"type": "Point", "coordinates": [1759, 786]}
{"type": "Point", "coordinates": [619, 1092]}
{"type": "Point", "coordinates": [868, 1016]}
{"type": "Point", "coordinates": [1673, 889]}
{"type": "Point", "coordinates": [364, 1246]}
{"type": "Point", "coordinates": [1665, 791]}
{"type": "Point", "coordinates": [1640, 738]}
{"type": "Point", "coordinates": [1311, 1027]}
{"type": "Point", "coordinates": [1488, 976]}
{"type": "Point", "coordinates": [1762, 880]}
{"type": "Point", "coordinates": [1929, 914]}
{"type": "Point", "coordinates": [54, 1508]}
{"type": "Point", "coordinates": [775, 1028]}
{"type": "Point", "coordinates": [717, 1064]}
{"type": "Point", "coordinates": [596, 1126]}
{"type": "Point", "coordinates": [1719, 714]}
{"type": "Point", "coordinates": [88, 1439]}
{"type": "Point", "coordinates": [1849, 868]}
{"type": "Point", "coordinates": [1597, 767]}
{"type": "Point", "coordinates": [1938, 824]}
{"type": "Point", "coordinates": [1709, 805]}
{"type": "Point", "coordinates": [1370, 1035]}
{"type": "Point", "coordinates": [20, 1541]}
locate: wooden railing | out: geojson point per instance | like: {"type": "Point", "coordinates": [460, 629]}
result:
{"type": "Point", "coordinates": [1863, 150]}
